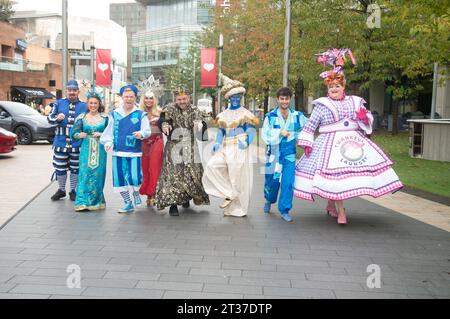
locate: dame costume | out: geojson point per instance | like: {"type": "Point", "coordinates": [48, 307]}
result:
{"type": "Point", "coordinates": [343, 162]}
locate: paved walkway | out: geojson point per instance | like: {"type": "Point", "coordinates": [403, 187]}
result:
{"type": "Point", "coordinates": [202, 254]}
{"type": "Point", "coordinates": [23, 174]}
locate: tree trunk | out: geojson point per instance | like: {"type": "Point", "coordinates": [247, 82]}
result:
{"type": "Point", "coordinates": [395, 105]}
{"type": "Point", "coordinates": [266, 103]}
{"type": "Point", "coordinates": [299, 96]}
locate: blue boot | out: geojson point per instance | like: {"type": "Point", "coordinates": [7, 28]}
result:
{"type": "Point", "coordinates": [137, 199]}
{"type": "Point", "coordinates": [267, 207]}
{"type": "Point", "coordinates": [285, 216]}
{"type": "Point", "coordinates": [128, 208]}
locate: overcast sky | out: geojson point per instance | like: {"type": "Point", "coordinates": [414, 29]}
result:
{"type": "Point", "coordinates": [81, 8]}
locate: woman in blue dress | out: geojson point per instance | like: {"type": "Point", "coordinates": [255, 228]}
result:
{"type": "Point", "coordinates": [91, 179]}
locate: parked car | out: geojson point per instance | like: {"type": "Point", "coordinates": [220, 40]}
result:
{"type": "Point", "coordinates": [8, 141]}
{"type": "Point", "coordinates": [25, 122]}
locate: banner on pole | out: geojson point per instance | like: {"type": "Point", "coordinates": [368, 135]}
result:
{"type": "Point", "coordinates": [103, 67]}
{"type": "Point", "coordinates": [208, 68]}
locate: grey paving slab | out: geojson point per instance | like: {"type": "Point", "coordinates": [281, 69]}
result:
{"type": "Point", "coordinates": [122, 293]}
{"type": "Point", "coordinates": [170, 285]}
{"type": "Point", "coordinates": [194, 278]}
{"type": "Point", "coordinates": [300, 293]}
{"type": "Point", "coordinates": [201, 254]}
{"type": "Point", "coordinates": [199, 295]}
{"type": "Point", "coordinates": [46, 289]}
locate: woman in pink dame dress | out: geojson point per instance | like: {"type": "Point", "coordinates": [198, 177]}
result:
{"type": "Point", "coordinates": [341, 163]}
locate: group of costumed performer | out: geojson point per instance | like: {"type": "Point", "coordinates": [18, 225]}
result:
{"type": "Point", "coordinates": [341, 163]}
{"type": "Point", "coordinates": [181, 176]}
{"type": "Point", "coordinates": [127, 127]}
{"type": "Point", "coordinates": [228, 174]}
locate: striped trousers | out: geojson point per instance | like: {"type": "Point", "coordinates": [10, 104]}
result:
{"type": "Point", "coordinates": [63, 162]}
{"type": "Point", "coordinates": [126, 172]}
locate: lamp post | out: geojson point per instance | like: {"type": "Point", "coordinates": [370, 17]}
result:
{"type": "Point", "coordinates": [433, 98]}
{"type": "Point", "coordinates": [65, 60]}
{"type": "Point", "coordinates": [287, 41]}
{"type": "Point", "coordinates": [219, 96]}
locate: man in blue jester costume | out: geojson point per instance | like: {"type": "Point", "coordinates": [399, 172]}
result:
{"type": "Point", "coordinates": [66, 151]}
{"type": "Point", "coordinates": [127, 126]}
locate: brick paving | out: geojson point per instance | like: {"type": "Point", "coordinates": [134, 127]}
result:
{"type": "Point", "coordinates": [202, 254]}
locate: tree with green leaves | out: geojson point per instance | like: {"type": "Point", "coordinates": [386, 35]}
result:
{"type": "Point", "coordinates": [6, 10]}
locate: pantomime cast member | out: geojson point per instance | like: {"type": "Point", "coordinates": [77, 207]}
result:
{"type": "Point", "coordinates": [280, 132]}
{"type": "Point", "coordinates": [88, 128]}
{"type": "Point", "coordinates": [342, 162]}
{"type": "Point", "coordinates": [182, 170]}
{"type": "Point", "coordinates": [66, 151]}
{"type": "Point", "coordinates": [229, 174]}
{"type": "Point", "coordinates": [127, 126]}
{"type": "Point", "coordinates": [152, 148]}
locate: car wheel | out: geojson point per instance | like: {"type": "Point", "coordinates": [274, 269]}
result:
{"type": "Point", "coordinates": [24, 136]}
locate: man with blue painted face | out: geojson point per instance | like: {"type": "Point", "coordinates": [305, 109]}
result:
{"type": "Point", "coordinates": [66, 151]}
{"type": "Point", "coordinates": [280, 132]}
{"type": "Point", "coordinates": [228, 174]}
{"type": "Point", "coordinates": [127, 126]}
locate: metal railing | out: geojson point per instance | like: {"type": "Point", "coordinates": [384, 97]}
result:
{"type": "Point", "coordinates": [21, 65]}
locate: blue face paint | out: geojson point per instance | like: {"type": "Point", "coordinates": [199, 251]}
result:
{"type": "Point", "coordinates": [235, 101]}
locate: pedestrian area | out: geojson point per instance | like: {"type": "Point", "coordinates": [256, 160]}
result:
{"type": "Point", "coordinates": [201, 254]}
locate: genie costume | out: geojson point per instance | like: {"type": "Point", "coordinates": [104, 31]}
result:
{"type": "Point", "coordinates": [228, 174]}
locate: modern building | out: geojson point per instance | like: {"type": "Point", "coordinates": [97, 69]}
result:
{"type": "Point", "coordinates": [170, 26]}
{"type": "Point", "coordinates": [131, 16]}
{"type": "Point", "coordinates": [44, 29]}
{"type": "Point", "coordinates": [28, 73]}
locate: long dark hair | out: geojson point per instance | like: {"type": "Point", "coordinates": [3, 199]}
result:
{"type": "Point", "coordinates": [101, 107]}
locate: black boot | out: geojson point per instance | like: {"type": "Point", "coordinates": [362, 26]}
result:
{"type": "Point", "coordinates": [58, 195]}
{"type": "Point", "coordinates": [72, 195]}
{"type": "Point", "coordinates": [173, 211]}
{"type": "Point", "coordinates": [186, 205]}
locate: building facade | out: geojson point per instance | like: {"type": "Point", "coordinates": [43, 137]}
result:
{"type": "Point", "coordinates": [29, 73]}
{"type": "Point", "coordinates": [170, 26]}
{"type": "Point", "coordinates": [131, 16]}
{"type": "Point", "coordinates": [44, 29]}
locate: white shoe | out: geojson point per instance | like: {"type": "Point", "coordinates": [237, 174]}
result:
{"type": "Point", "coordinates": [225, 203]}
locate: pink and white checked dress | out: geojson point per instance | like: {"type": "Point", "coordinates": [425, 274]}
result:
{"type": "Point", "coordinates": [343, 163]}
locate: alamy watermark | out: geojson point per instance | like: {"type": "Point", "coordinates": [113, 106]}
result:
{"type": "Point", "coordinates": [374, 279]}
{"type": "Point", "coordinates": [74, 279]}
{"type": "Point", "coordinates": [374, 19]}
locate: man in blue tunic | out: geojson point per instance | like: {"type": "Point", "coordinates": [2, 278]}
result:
{"type": "Point", "coordinates": [66, 151]}
{"type": "Point", "coordinates": [127, 126]}
{"type": "Point", "coordinates": [280, 132]}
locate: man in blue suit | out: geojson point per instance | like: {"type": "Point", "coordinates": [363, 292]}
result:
{"type": "Point", "coordinates": [66, 151]}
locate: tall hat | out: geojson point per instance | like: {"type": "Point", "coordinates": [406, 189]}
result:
{"type": "Point", "coordinates": [231, 87]}
{"type": "Point", "coordinates": [336, 59]}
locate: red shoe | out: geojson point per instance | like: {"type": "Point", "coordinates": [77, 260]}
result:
{"type": "Point", "coordinates": [342, 219]}
{"type": "Point", "coordinates": [331, 209]}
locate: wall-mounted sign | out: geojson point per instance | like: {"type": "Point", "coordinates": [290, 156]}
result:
{"type": "Point", "coordinates": [21, 44]}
